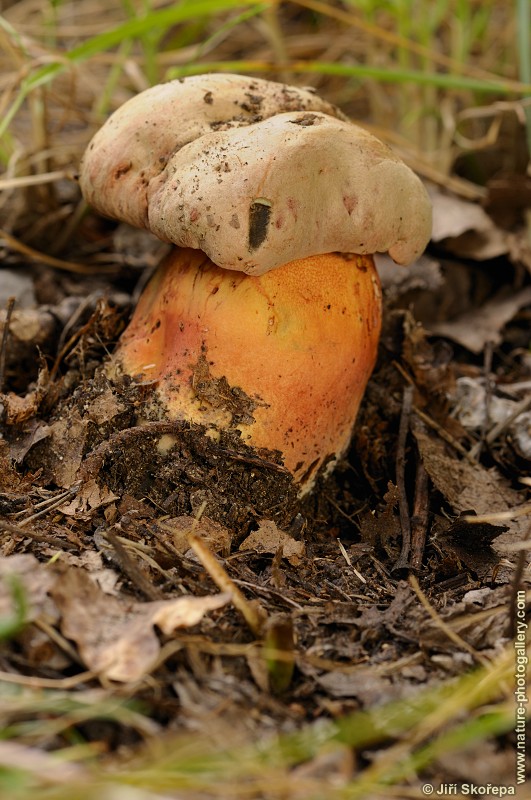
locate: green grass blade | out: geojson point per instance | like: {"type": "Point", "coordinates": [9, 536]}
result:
{"type": "Point", "coordinates": [361, 71]}
{"type": "Point", "coordinates": [132, 29]}
{"type": "Point", "coordinates": [523, 10]}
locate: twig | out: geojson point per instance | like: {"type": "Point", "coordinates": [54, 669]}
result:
{"type": "Point", "coordinates": [27, 533]}
{"type": "Point", "coordinates": [257, 462]}
{"type": "Point", "coordinates": [448, 438]}
{"type": "Point", "coordinates": [452, 635]}
{"type": "Point", "coordinates": [75, 337]}
{"type": "Point", "coordinates": [252, 612]}
{"type": "Point", "coordinates": [407, 404]}
{"type": "Point", "coordinates": [33, 180]}
{"type": "Point", "coordinates": [68, 266]}
{"type": "Point", "coordinates": [5, 336]}
{"type": "Point", "coordinates": [62, 643]}
{"type": "Point", "coordinates": [419, 518]}
{"type": "Point", "coordinates": [130, 568]}
{"type": "Point", "coordinates": [347, 558]}
{"type": "Point", "coordinates": [487, 370]}
{"type": "Point", "coordinates": [51, 503]}
{"type": "Point", "coordinates": [499, 516]}
{"type": "Point", "coordinates": [431, 423]}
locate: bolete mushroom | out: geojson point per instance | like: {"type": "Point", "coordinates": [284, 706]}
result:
{"type": "Point", "coordinates": [266, 316]}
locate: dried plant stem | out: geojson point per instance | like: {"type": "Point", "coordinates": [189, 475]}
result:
{"type": "Point", "coordinates": [452, 635]}
{"type": "Point", "coordinates": [277, 41]}
{"type": "Point", "coordinates": [131, 568]}
{"type": "Point", "coordinates": [252, 612]}
{"type": "Point", "coordinates": [67, 266]}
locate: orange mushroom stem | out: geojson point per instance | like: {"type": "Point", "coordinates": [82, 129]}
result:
{"type": "Point", "coordinates": [284, 358]}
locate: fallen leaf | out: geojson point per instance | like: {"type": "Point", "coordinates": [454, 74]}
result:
{"type": "Point", "coordinates": [268, 539]}
{"type": "Point", "coordinates": [90, 497]}
{"type": "Point", "coordinates": [116, 639]}
{"type": "Point", "coordinates": [35, 432]}
{"type": "Point", "coordinates": [469, 487]}
{"type": "Point", "coordinates": [424, 274]}
{"type": "Point", "coordinates": [18, 408]}
{"type": "Point", "coordinates": [481, 619]}
{"type": "Point", "coordinates": [35, 580]}
{"type": "Point", "coordinates": [466, 229]}
{"type": "Point", "coordinates": [215, 535]}
{"type": "Point", "coordinates": [182, 612]}
{"type": "Point", "coordinates": [484, 325]}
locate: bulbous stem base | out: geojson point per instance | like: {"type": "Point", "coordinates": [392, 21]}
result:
{"type": "Point", "coordinates": [284, 358]}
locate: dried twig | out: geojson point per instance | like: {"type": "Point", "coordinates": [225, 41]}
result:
{"type": "Point", "coordinates": [448, 438]}
{"type": "Point", "coordinates": [347, 558]}
{"type": "Point", "coordinates": [51, 503]}
{"type": "Point", "coordinates": [67, 266]}
{"type": "Point", "coordinates": [130, 568]}
{"type": "Point", "coordinates": [252, 612]}
{"type": "Point", "coordinates": [28, 533]}
{"type": "Point", "coordinates": [452, 635]}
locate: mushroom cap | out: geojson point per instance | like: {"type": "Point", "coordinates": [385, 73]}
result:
{"type": "Point", "coordinates": [141, 136]}
{"type": "Point", "coordinates": [289, 179]}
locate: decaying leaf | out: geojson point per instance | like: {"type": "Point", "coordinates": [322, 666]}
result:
{"type": "Point", "coordinates": [90, 497]}
{"type": "Point", "coordinates": [18, 409]}
{"type": "Point", "coordinates": [477, 328]}
{"type": "Point", "coordinates": [117, 639]}
{"type": "Point", "coordinates": [466, 486]}
{"type": "Point", "coordinates": [216, 536]}
{"type": "Point", "coordinates": [34, 579]}
{"type": "Point", "coordinates": [424, 274]}
{"type": "Point", "coordinates": [481, 619]}
{"type": "Point", "coordinates": [268, 539]}
{"type": "Point", "coordinates": [465, 228]}
{"type": "Point", "coordinates": [477, 410]}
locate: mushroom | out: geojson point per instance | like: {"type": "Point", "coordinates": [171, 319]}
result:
{"type": "Point", "coordinates": [265, 317]}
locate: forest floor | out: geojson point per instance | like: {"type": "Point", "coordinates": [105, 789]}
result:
{"type": "Point", "coordinates": [179, 622]}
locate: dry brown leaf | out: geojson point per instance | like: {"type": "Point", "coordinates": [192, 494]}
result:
{"type": "Point", "coordinates": [484, 325]}
{"type": "Point", "coordinates": [423, 275]}
{"type": "Point", "coordinates": [467, 230]}
{"type": "Point", "coordinates": [117, 639]}
{"type": "Point", "coordinates": [182, 612]}
{"type": "Point", "coordinates": [216, 536]}
{"type": "Point", "coordinates": [268, 539]}
{"type": "Point", "coordinates": [18, 409]}
{"type": "Point", "coordinates": [89, 498]}
{"type": "Point", "coordinates": [105, 407]}
{"type": "Point", "coordinates": [35, 579]}
{"type": "Point", "coordinates": [469, 487]}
